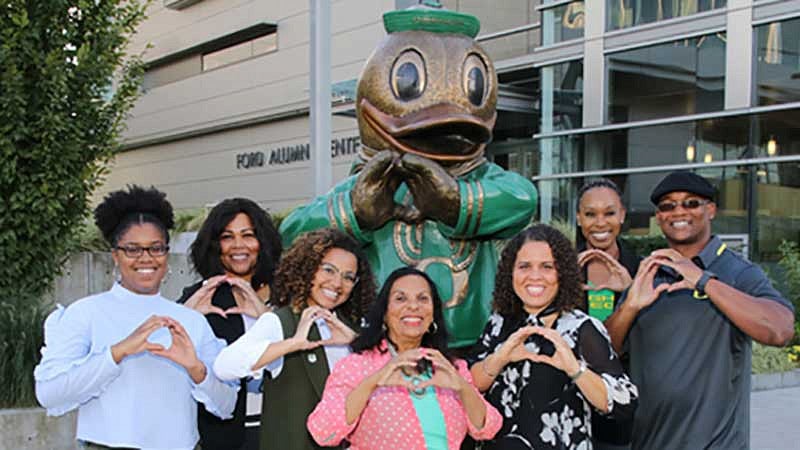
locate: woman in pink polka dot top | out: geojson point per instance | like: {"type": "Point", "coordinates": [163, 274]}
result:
{"type": "Point", "coordinates": [400, 389]}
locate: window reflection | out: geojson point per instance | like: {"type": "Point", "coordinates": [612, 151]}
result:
{"type": "Point", "coordinates": [671, 79]}
{"type": "Point", "coordinates": [778, 62]}
{"type": "Point", "coordinates": [563, 22]}
{"type": "Point", "coordinates": [627, 13]}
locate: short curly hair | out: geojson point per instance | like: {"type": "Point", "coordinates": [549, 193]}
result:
{"type": "Point", "coordinates": [569, 295]}
{"type": "Point", "coordinates": [300, 263]}
{"type": "Point", "coordinates": [122, 209]}
{"type": "Point", "coordinates": [206, 249]}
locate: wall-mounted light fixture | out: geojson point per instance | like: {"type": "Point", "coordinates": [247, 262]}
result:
{"type": "Point", "coordinates": [708, 158]}
{"type": "Point", "coordinates": [772, 146]}
{"type": "Point", "coordinates": [691, 151]}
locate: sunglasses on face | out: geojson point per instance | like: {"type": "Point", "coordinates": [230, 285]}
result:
{"type": "Point", "coordinates": [692, 203]}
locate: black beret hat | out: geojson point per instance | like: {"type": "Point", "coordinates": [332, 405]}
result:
{"type": "Point", "coordinates": [685, 182]}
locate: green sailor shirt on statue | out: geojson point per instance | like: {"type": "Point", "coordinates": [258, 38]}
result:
{"type": "Point", "coordinates": [495, 204]}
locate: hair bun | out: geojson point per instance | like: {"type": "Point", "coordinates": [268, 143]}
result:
{"type": "Point", "coordinates": [118, 205]}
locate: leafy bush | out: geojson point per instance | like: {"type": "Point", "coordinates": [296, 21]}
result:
{"type": "Point", "coordinates": [21, 336]}
{"type": "Point", "coordinates": [61, 113]}
{"type": "Point", "coordinates": [66, 85]}
{"type": "Point", "coordinates": [768, 359]}
{"type": "Point", "coordinates": [643, 245]}
{"type": "Point", "coordinates": [790, 263]}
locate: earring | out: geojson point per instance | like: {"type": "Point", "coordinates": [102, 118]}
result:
{"type": "Point", "coordinates": [383, 327]}
{"type": "Point", "coordinates": [116, 275]}
{"type": "Point", "coordinates": [166, 276]}
{"type": "Point", "coordinates": [435, 328]}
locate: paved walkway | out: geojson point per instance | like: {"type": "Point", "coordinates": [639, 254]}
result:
{"type": "Point", "coordinates": [775, 419]}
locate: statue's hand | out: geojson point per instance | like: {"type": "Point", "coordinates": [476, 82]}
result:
{"type": "Point", "coordinates": [373, 194]}
{"type": "Point", "coordinates": [435, 191]}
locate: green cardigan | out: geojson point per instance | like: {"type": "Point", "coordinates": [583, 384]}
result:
{"type": "Point", "coordinates": [291, 396]}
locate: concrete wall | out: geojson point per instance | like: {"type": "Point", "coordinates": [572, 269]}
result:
{"type": "Point", "coordinates": [89, 273]}
{"type": "Point", "coordinates": [31, 429]}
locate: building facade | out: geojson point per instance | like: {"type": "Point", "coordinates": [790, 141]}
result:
{"type": "Point", "coordinates": [626, 89]}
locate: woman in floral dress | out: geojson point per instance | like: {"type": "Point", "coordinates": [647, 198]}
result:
{"type": "Point", "coordinates": [542, 362]}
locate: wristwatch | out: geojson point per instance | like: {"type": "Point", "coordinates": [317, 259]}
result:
{"type": "Point", "coordinates": [581, 370]}
{"type": "Point", "coordinates": [700, 287]}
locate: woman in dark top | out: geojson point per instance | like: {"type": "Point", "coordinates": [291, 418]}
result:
{"type": "Point", "coordinates": [542, 362]}
{"type": "Point", "coordinates": [236, 252]}
{"type": "Point", "coordinates": [608, 267]}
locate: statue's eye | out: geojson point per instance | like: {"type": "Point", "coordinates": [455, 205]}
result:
{"type": "Point", "coordinates": [408, 76]}
{"type": "Point", "coordinates": [475, 79]}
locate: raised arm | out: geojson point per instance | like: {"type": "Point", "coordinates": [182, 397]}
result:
{"type": "Point", "coordinates": [263, 346]}
{"type": "Point", "coordinates": [752, 304]}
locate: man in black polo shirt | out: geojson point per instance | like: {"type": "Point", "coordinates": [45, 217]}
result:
{"type": "Point", "coordinates": [687, 322]}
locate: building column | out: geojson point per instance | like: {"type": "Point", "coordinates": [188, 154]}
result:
{"type": "Point", "coordinates": [594, 64]}
{"type": "Point", "coordinates": [739, 55]}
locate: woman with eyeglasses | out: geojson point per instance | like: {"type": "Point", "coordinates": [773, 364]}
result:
{"type": "Point", "coordinates": [132, 362]}
{"type": "Point", "coordinates": [323, 286]}
{"type": "Point", "coordinates": [608, 268]}
{"type": "Point", "coordinates": [235, 252]}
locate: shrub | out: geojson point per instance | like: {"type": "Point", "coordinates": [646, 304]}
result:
{"type": "Point", "coordinates": [66, 85]}
{"type": "Point", "coordinates": [61, 113]}
{"type": "Point", "coordinates": [21, 336]}
{"type": "Point", "coordinates": [643, 245]}
{"type": "Point", "coordinates": [768, 359]}
{"type": "Point", "coordinates": [790, 263]}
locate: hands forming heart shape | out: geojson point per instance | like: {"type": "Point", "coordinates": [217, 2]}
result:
{"type": "Point", "coordinates": [613, 274]}
{"type": "Point", "coordinates": [403, 371]}
{"type": "Point", "coordinates": [248, 301]}
{"type": "Point", "coordinates": [642, 292]}
{"type": "Point", "coordinates": [181, 350]}
{"type": "Point", "coordinates": [341, 334]}
{"type": "Point", "coordinates": [435, 191]}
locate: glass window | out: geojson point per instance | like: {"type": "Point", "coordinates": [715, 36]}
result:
{"type": "Point", "coordinates": [563, 22]}
{"type": "Point", "coordinates": [761, 202]}
{"type": "Point", "coordinates": [627, 13]}
{"type": "Point", "coordinates": [561, 197]}
{"type": "Point", "coordinates": [170, 72]}
{"type": "Point", "coordinates": [240, 52]}
{"type": "Point", "coordinates": [777, 67]}
{"type": "Point", "coordinates": [500, 16]}
{"type": "Point", "coordinates": [561, 96]}
{"type": "Point", "coordinates": [671, 79]}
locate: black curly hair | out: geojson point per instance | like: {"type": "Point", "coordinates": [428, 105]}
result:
{"type": "Point", "coordinates": [122, 209]}
{"type": "Point", "coordinates": [299, 264]}
{"type": "Point", "coordinates": [569, 295]}
{"type": "Point", "coordinates": [372, 331]}
{"type": "Point", "coordinates": [205, 251]}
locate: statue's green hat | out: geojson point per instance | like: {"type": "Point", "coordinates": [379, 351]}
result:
{"type": "Point", "coordinates": [430, 16]}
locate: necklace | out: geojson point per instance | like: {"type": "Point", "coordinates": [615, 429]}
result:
{"type": "Point", "coordinates": [415, 379]}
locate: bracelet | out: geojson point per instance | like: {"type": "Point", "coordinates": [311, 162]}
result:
{"type": "Point", "coordinates": [581, 370]}
{"type": "Point", "coordinates": [486, 369]}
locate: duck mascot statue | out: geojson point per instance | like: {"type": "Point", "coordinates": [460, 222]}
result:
{"type": "Point", "coordinates": [422, 193]}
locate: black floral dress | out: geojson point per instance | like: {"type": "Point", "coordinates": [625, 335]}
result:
{"type": "Point", "coordinates": [541, 407]}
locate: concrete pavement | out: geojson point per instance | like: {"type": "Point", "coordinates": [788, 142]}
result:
{"type": "Point", "coordinates": [775, 419]}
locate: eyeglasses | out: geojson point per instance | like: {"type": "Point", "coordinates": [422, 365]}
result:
{"type": "Point", "coordinates": [136, 251]}
{"type": "Point", "coordinates": [692, 203]}
{"type": "Point", "coordinates": [347, 277]}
